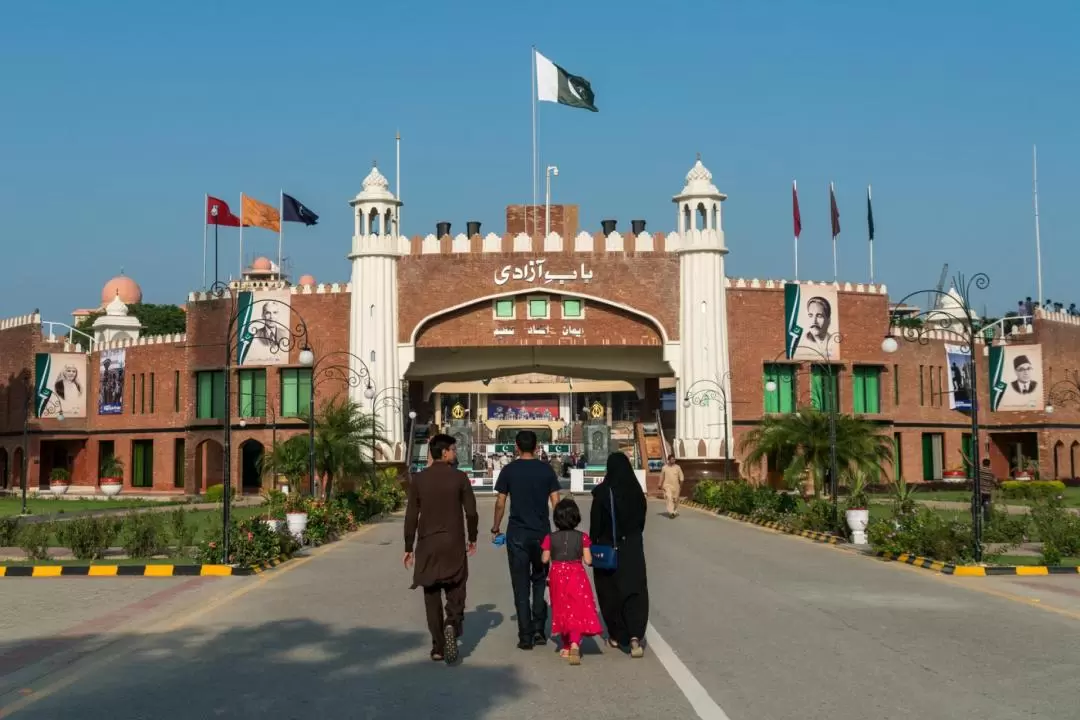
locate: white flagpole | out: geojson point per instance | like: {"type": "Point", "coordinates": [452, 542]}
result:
{"type": "Point", "coordinates": [534, 151]}
{"type": "Point", "coordinates": [1038, 240]}
{"type": "Point", "coordinates": [241, 236]}
{"type": "Point", "coordinates": [281, 229]}
{"type": "Point", "coordinates": [835, 273]}
{"type": "Point", "coordinates": [397, 183]}
{"type": "Point", "coordinates": [869, 200]}
{"type": "Point", "coordinates": [206, 201]}
{"type": "Point", "coordinates": [795, 191]}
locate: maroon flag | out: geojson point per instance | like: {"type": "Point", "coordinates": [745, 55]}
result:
{"type": "Point", "coordinates": [218, 213]}
{"type": "Point", "coordinates": [834, 211]}
{"type": "Point", "coordinates": [795, 214]}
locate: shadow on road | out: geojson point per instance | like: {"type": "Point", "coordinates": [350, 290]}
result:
{"type": "Point", "coordinates": [289, 669]}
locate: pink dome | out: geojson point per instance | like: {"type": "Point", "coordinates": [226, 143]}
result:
{"type": "Point", "coordinates": [261, 264]}
{"type": "Point", "coordinates": [128, 290]}
{"type": "Point", "coordinates": [307, 280]}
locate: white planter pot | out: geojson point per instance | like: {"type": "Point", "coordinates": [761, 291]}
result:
{"type": "Point", "coordinates": [111, 489]}
{"type": "Point", "coordinates": [275, 524]}
{"type": "Point", "coordinates": [857, 521]}
{"type": "Point", "coordinates": [58, 489]}
{"type": "Point", "coordinates": [297, 523]}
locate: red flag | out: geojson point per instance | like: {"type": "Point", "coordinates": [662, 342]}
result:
{"type": "Point", "coordinates": [796, 215]}
{"type": "Point", "coordinates": [218, 213]}
{"type": "Point", "coordinates": [834, 211]}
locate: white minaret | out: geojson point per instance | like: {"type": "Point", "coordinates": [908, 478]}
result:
{"type": "Point", "coordinates": [703, 330]}
{"type": "Point", "coordinates": [373, 317]}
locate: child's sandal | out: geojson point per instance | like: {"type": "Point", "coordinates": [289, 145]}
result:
{"type": "Point", "coordinates": [575, 656]}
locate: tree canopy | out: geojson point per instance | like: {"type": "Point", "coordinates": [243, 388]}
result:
{"type": "Point", "coordinates": [155, 319]}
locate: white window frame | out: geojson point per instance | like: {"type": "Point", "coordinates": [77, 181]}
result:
{"type": "Point", "coordinates": [528, 307]}
{"type": "Point", "coordinates": [562, 308]}
{"type": "Point", "coordinates": [495, 308]}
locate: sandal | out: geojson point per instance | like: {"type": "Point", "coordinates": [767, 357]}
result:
{"type": "Point", "coordinates": [575, 655]}
{"type": "Point", "coordinates": [436, 656]}
{"type": "Point", "coordinates": [636, 651]}
{"type": "Point", "coordinates": [613, 644]}
{"type": "Point", "coordinates": [564, 653]}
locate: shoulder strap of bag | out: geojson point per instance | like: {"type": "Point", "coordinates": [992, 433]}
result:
{"type": "Point", "coordinates": [614, 531]}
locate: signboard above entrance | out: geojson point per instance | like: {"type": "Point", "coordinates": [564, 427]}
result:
{"type": "Point", "coordinates": [534, 271]}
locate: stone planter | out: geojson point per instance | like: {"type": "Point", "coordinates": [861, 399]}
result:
{"type": "Point", "coordinates": [1023, 477]}
{"type": "Point", "coordinates": [954, 476]}
{"type": "Point", "coordinates": [297, 523]}
{"type": "Point", "coordinates": [58, 488]}
{"type": "Point", "coordinates": [857, 520]}
{"type": "Point", "coordinates": [111, 488]}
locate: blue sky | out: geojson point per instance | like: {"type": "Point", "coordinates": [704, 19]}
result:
{"type": "Point", "coordinates": [119, 116]}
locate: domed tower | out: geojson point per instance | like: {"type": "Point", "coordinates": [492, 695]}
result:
{"type": "Point", "coordinates": [374, 311]}
{"type": "Point", "coordinates": [700, 428]}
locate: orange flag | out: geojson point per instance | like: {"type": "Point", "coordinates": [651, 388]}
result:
{"type": "Point", "coordinates": [259, 214]}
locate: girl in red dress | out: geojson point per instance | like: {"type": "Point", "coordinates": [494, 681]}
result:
{"type": "Point", "coordinates": [573, 609]}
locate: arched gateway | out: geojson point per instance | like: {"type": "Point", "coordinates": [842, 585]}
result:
{"type": "Point", "coordinates": [639, 309]}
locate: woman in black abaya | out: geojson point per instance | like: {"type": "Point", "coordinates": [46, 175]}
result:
{"type": "Point", "coordinates": [623, 593]}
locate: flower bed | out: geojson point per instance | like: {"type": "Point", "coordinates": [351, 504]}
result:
{"type": "Point", "coordinates": [762, 504]}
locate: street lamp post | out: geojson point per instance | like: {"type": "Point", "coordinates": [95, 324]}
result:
{"type": "Point", "coordinates": [963, 325]}
{"type": "Point", "coordinates": [277, 337]}
{"type": "Point", "coordinates": [713, 390]}
{"type": "Point", "coordinates": [831, 400]}
{"type": "Point", "coordinates": [352, 371]}
{"type": "Point", "coordinates": [380, 400]}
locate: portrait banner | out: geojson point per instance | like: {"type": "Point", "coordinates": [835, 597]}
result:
{"type": "Point", "coordinates": [1016, 376]}
{"type": "Point", "coordinates": [958, 361]}
{"type": "Point", "coordinates": [812, 321]}
{"type": "Point", "coordinates": [60, 385]}
{"type": "Point", "coordinates": [265, 333]}
{"type": "Point", "coordinates": [111, 382]}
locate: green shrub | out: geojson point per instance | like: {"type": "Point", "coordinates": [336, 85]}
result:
{"type": "Point", "coordinates": [183, 534]}
{"type": "Point", "coordinates": [214, 493]}
{"type": "Point", "coordinates": [1031, 489]}
{"type": "Point", "coordinates": [9, 531]}
{"type": "Point", "coordinates": [370, 499]}
{"type": "Point", "coordinates": [142, 535]}
{"type": "Point", "coordinates": [923, 533]}
{"type": "Point", "coordinates": [1057, 528]}
{"type": "Point", "coordinates": [251, 542]}
{"type": "Point", "coordinates": [707, 493]}
{"type": "Point", "coordinates": [818, 517]}
{"type": "Point", "coordinates": [1005, 528]}
{"type": "Point", "coordinates": [87, 537]}
{"type": "Point", "coordinates": [34, 540]}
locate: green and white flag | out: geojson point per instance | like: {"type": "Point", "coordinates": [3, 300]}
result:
{"type": "Point", "coordinates": [554, 84]}
{"type": "Point", "coordinates": [244, 337]}
{"type": "Point", "coordinates": [792, 330]}
{"type": "Point", "coordinates": [42, 372]}
{"type": "Point", "coordinates": [997, 369]}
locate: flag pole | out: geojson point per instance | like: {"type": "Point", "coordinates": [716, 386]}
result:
{"type": "Point", "coordinates": [206, 202]}
{"type": "Point", "coordinates": [1038, 240]}
{"type": "Point", "coordinates": [397, 182]}
{"type": "Point", "coordinates": [241, 236]}
{"type": "Point", "coordinates": [216, 252]}
{"type": "Point", "coordinates": [869, 197]}
{"type": "Point", "coordinates": [281, 229]}
{"type": "Point", "coordinates": [832, 200]}
{"type": "Point", "coordinates": [795, 194]}
{"type": "Point", "coordinates": [534, 151]}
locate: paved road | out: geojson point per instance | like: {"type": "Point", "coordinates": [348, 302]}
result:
{"type": "Point", "coordinates": [762, 625]}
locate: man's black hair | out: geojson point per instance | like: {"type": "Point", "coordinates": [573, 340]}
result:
{"type": "Point", "coordinates": [526, 441]}
{"type": "Point", "coordinates": [567, 516]}
{"type": "Point", "coordinates": [439, 444]}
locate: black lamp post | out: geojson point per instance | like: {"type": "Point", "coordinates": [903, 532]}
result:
{"type": "Point", "coordinates": [1064, 392]}
{"type": "Point", "coordinates": [279, 337]}
{"type": "Point", "coordinates": [962, 325]}
{"type": "Point", "coordinates": [831, 399]}
{"type": "Point", "coordinates": [379, 401]}
{"type": "Point", "coordinates": [349, 369]}
{"type": "Point", "coordinates": [712, 390]}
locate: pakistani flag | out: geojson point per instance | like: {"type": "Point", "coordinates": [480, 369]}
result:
{"type": "Point", "coordinates": [997, 385]}
{"type": "Point", "coordinates": [554, 84]}
{"type": "Point", "coordinates": [244, 337]}
{"type": "Point", "coordinates": [42, 372]}
{"type": "Point", "coordinates": [793, 331]}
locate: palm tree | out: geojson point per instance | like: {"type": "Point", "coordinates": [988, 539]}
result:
{"type": "Point", "coordinates": [802, 439]}
{"type": "Point", "coordinates": [288, 458]}
{"type": "Point", "coordinates": [344, 436]}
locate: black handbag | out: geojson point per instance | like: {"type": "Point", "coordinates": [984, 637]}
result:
{"type": "Point", "coordinates": [606, 557]}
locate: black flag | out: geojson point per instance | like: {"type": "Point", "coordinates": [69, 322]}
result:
{"type": "Point", "coordinates": [292, 210]}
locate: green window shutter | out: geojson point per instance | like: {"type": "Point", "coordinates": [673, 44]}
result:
{"type": "Point", "coordinates": [247, 380]}
{"type": "Point", "coordinates": [817, 388]}
{"type": "Point", "coordinates": [927, 456]}
{"type": "Point", "coordinates": [219, 394]}
{"type": "Point", "coordinates": [787, 389]}
{"type": "Point", "coordinates": [204, 405]}
{"type": "Point", "coordinates": [288, 393]}
{"type": "Point", "coordinates": [898, 455]}
{"type": "Point", "coordinates": [965, 447]}
{"type": "Point", "coordinates": [571, 308]}
{"type": "Point", "coordinates": [504, 308]}
{"type": "Point", "coordinates": [772, 399]}
{"type": "Point", "coordinates": [259, 390]}
{"type": "Point", "coordinates": [859, 378]}
{"type": "Point", "coordinates": [303, 389]}
{"type": "Point", "coordinates": [873, 390]}
{"type": "Point", "coordinates": [538, 308]}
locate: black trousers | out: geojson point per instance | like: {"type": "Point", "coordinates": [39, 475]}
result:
{"type": "Point", "coordinates": [528, 575]}
{"type": "Point", "coordinates": [455, 610]}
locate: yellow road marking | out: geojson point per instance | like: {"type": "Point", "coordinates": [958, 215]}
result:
{"type": "Point", "coordinates": [93, 663]}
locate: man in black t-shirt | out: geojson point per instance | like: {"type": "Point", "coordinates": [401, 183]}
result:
{"type": "Point", "coordinates": [533, 489]}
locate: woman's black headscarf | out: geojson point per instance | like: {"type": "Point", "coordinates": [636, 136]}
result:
{"type": "Point", "coordinates": [622, 482]}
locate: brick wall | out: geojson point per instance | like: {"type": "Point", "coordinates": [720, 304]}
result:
{"type": "Point", "coordinates": [529, 219]}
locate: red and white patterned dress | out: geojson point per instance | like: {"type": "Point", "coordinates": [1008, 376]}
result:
{"type": "Point", "coordinates": [573, 607]}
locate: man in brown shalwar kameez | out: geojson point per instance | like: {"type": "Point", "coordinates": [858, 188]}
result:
{"type": "Point", "coordinates": [441, 500]}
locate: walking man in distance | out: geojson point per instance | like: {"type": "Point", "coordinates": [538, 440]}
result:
{"type": "Point", "coordinates": [671, 480]}
{"type": "Point", "coordinates": [441, 502]}
{"type": "Point", "coordinates": [533, 489]}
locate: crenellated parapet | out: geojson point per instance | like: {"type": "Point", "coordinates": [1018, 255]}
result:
{"type": "Point", "coordinates": [20, 320]}
{"type": "Point", "coordinates": [167, 339]}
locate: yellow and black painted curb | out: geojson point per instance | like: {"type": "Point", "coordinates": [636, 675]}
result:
{"type": "Point", "coordinates": [977, 570]}
{"type": "Point", "coordinates": [149, 570]}
{"type": "Point", "coordinates": [808, 534]}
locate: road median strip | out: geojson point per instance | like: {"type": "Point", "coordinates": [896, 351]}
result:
{"type": "Point", "coordinates": [976, 570]}
{"type": "Point", "coordinates": [158, 570]}
{"type": "Point", "coordinates": [819, 537]}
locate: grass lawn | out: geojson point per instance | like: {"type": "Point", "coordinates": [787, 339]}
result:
{"type": "Point", "coordinates": [55, 506]}
{"type": "Point", "coordinates": [1031, 560]}
{"type": "Point", "coordinates": [1072, 497]}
